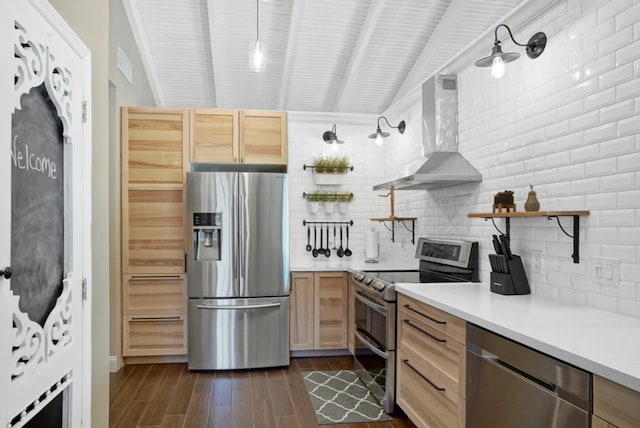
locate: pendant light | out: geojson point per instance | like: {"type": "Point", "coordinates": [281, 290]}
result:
{"type": "Point", "coordinates": [534, 48]}
{"type": "Point", "coordinates": [258, 50]}
{"type": "Point", "coordinates": [379, 135]}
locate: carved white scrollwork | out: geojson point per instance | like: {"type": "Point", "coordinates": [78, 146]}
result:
{"type": "Point", "coordinates": [35, 65]}
{"type": "Point", "coordinates": [34, 345]}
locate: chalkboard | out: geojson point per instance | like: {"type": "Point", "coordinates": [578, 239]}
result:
{"type": "Point", "coordinates": [37, 204]}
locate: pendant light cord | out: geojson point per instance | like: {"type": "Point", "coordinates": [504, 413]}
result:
{"type": "Point", "coordinates": [257, 19]}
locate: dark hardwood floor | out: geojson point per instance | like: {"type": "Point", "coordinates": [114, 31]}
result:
{"type": "Point", "coordinates": [169, 395]}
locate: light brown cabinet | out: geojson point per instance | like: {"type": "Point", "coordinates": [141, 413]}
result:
{"type": "Point", "coordinates": [239, 136]}
{"type": "Point", "coordinates": [154, 151]}
{"type": "Point", "coordinates": [431, 365]}
{"type": "Point", "coordinates": [318, 310]}
{"type": "Point", "coordinates": [614, 405]}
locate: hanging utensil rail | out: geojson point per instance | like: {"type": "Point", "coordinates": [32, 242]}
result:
{"type": "Point", "coordinates": [305, 222]}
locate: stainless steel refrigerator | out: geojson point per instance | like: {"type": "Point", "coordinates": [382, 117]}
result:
{"type": "Point", "coordinates": [238, 270]}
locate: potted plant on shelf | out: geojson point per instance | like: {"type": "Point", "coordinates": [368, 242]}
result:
{"type": "Point", "coordinates": [313, 202]}
{"type": "Point", "coordinates": [343, 202]}
{"type": "Point", "coordinates": [328, 202]}
{"type": "Point", "coordinates": [330, 170]}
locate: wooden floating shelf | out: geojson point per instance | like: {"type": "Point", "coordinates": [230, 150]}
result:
{"type": "Point", "coordinates": [530, 214]}
{"type": "Point", "coordinates": [549, 215]}
{"type": "Point", "coordinates": [393, 220]}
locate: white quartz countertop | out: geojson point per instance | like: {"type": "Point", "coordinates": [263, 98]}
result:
{"type": "Point", "coordinates": [604, 343]}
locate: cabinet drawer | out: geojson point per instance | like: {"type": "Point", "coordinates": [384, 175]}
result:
{"type": "Point", "coordinates": [425, 405]}
{"type": "Point", "coordinates": [615, 403]}
{"type": "Point", "coordinates": [146, 335]}
{"type": "Point", "coordinates": [438, 320]}
{"type": "Point", "coordinates": [433, 352]}
{"type": "Point", "coordinates": [154, 294]}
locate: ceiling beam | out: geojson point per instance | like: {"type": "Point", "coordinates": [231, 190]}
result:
{"type": "Point", "coordinates": [137, 28]}
{"type": "Point", "coordinates": [296, 17]}
{"type": "Point", "coordinates": [442, 30]}
{"type": "Point", "coordinates": [218, 70]}
{"type": "Point", "coordinates": [366, 31]}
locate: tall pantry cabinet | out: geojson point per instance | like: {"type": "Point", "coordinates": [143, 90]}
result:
{"type": "Point", "coordinates": [157, 146]}
{"type": "Point", "coordinates": [154, 162]}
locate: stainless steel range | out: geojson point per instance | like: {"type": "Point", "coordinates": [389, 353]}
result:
{"type": "Point", "coordinates": [375, 308]}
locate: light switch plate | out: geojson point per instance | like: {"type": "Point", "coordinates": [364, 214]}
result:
{"type": "Point", "coordinates": [605, 271]}
{"type": "Point", "coordinates": [536, 261]}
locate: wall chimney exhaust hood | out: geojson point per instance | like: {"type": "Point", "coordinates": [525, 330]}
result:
{"type": "Point", "coordinates": [441, 163]}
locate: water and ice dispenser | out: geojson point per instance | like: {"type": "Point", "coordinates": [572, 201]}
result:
{"type": "Point", "coordinates": [207, 228]}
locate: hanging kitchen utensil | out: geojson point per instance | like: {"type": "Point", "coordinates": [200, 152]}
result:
{"type": "Point", "coordinates": [347, 251]}
{"type": "Point", "coordinates": [315, 242]}
{"type": "Point", "coordinates": [327, 251]}
{"type": "Point", "coordinates": [334, 238]}
{"type": "Point", "coordinates": [340, 250]}
{"type": "Point", "coordinates": [308, 238]}
{"type": "Point", "coordinates": [496, 245]}
{"type": "Point", "coordinates": [321, 249]}
{"type": "Point", "coordinates": [506, 248]}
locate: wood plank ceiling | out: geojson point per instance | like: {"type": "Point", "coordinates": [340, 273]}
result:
{"type": "Point", "coordinates": [350, 56]}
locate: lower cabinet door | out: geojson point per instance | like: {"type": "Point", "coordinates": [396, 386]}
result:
{"type": "Point", "coordinates": [425, 402]}
{"type": "Point", "coordinates": [154, 335]}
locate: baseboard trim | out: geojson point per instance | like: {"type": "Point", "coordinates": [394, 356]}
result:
{"type": "Point", "coordinates": [161, 359]}
{"type": "Point", "coordinates": [320, 353]}
{"type": "Point", "coordinates": [113, 364]}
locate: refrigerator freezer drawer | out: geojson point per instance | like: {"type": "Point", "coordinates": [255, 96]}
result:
{"type": "Point", "coordinates": [238, 333]}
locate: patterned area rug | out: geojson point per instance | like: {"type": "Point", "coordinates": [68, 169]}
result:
{"type": "Point", "coordinates": [339, 397]}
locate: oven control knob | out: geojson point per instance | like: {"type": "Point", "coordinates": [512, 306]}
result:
{"type": "Point", "coordinates": [358, 276]}
{"type": "Point", "coordinates": [377, 285]}
{"type": "Point", "coordinates": [367, 281]}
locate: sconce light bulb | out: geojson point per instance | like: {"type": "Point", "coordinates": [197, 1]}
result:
{"type": "Point", "coordinates": [379, 140]}
{"type": "Point", "coordinates": [497, 68]}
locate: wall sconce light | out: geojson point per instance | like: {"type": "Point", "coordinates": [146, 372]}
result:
{"type": "Point", "coordinates": [497, 59]}
{"type": "Point", "coordinates": [379, 135]}
{"type": "Point", "coordinates": [331, 137]}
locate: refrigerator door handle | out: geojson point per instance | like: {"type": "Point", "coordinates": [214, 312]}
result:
{"type": "Point", "coordinates": [234, 242]}
{"type": "Point", "coordinates": [242, 200]}
{"type": "Point", "coordinates": [235, 307]}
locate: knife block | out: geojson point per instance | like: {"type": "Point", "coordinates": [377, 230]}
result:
{"type": "Point", "coordinates": [513, 282]}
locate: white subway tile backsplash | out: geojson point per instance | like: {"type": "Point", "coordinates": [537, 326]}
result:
{"type": "Point", "coordinates": [587, 120]}
{"type": "Point", "coordinates": [586, 153]}
{"type": "Point", "coordinates": [630, 126]}
{"type": "Point", "coordinates": [585, 186]}
{"type": "Point", "coordinates": [619, 146]}
{"type": "Point", "coordinates": [629, 308]}
{"type": "Point", "coordinates": [612, 8]}
{"type": "Point", "coordinates": [628, 89]}
{"type": "Point", "coordinates": [616, 76]}
{"type": "Point", "coordinates": [571, 172]}
{"type": "Point", "coordinates": [629, 162]}
{"type": "Point", "coordinates": [617, 111]}
{"type": "Point", "coordinates": [602, 132]}
{"type": "Point", "coordinates": [599, 99]}
{"type": "Point", "coordinates": [618, 182]}
{"type": "Point", "coordinates": [616, 40]}
{"type": "Point", "coordinates": [601, 201]}
{"type": "Point", "coordinates": [627, 17]}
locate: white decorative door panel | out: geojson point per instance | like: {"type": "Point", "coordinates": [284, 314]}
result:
{"type": "Point", "coordinates": [45, 247]}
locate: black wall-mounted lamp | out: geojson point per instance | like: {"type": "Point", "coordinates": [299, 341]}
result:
{"type": "Point", "coordinates": [331, 137]}
{"type": "Point", "coordinates": [497, 59]}
{"type": "Point", "coordinates": [379, 134]}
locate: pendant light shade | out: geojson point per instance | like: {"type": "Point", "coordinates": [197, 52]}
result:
{"type": "Point", "coordinates": [258, 51]}
{"type": "Point", "coordinates": [498, 59]}
{"type": "Point", "coordinates": [258, 56]}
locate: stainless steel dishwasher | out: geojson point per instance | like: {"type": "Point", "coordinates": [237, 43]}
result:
{"type": "Point", "coordinates": [510, 385]}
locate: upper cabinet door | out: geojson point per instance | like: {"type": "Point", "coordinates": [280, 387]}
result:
{"type": "Point", "coordinates": [214, 136]}
{"type": "Point", "coordinates": [153, 141]}
{"type": "Point", "coordinates": [263, 137]}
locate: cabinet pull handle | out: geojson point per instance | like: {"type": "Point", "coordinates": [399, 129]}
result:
{"type": "Point", "coordinates": [155, 277]}
{"type": "Point", "coordinates": [148, 319]}
{"type": "Point", "coordinates": [425, 315]}
{"type": "Point", "coordinates": [437, 339]}
{"type": "Point", "coordinates": [423, 376]}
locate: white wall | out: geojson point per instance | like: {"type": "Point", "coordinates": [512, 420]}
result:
{"type": "Point", "coordinates": [305, 144]}
{"type": "Point", "coordinates": [568, 123]}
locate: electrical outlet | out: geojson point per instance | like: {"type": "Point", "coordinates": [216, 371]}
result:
{"type": "Point", "coordinates": [605, 271]}
{"type": "Point", "coordinates": [536, 261]}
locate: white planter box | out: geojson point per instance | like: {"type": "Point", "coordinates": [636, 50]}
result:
{"type": "Point", "coordinates": [328, 179]}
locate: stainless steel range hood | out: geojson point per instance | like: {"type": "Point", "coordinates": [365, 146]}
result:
{"type": "Point", "coordinates": [441, 164]}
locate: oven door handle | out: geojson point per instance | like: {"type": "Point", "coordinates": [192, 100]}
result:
{"type": "Point", "coordinates": [373, 348]}
{"type": "Point", "coordinates": [373, 305]}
